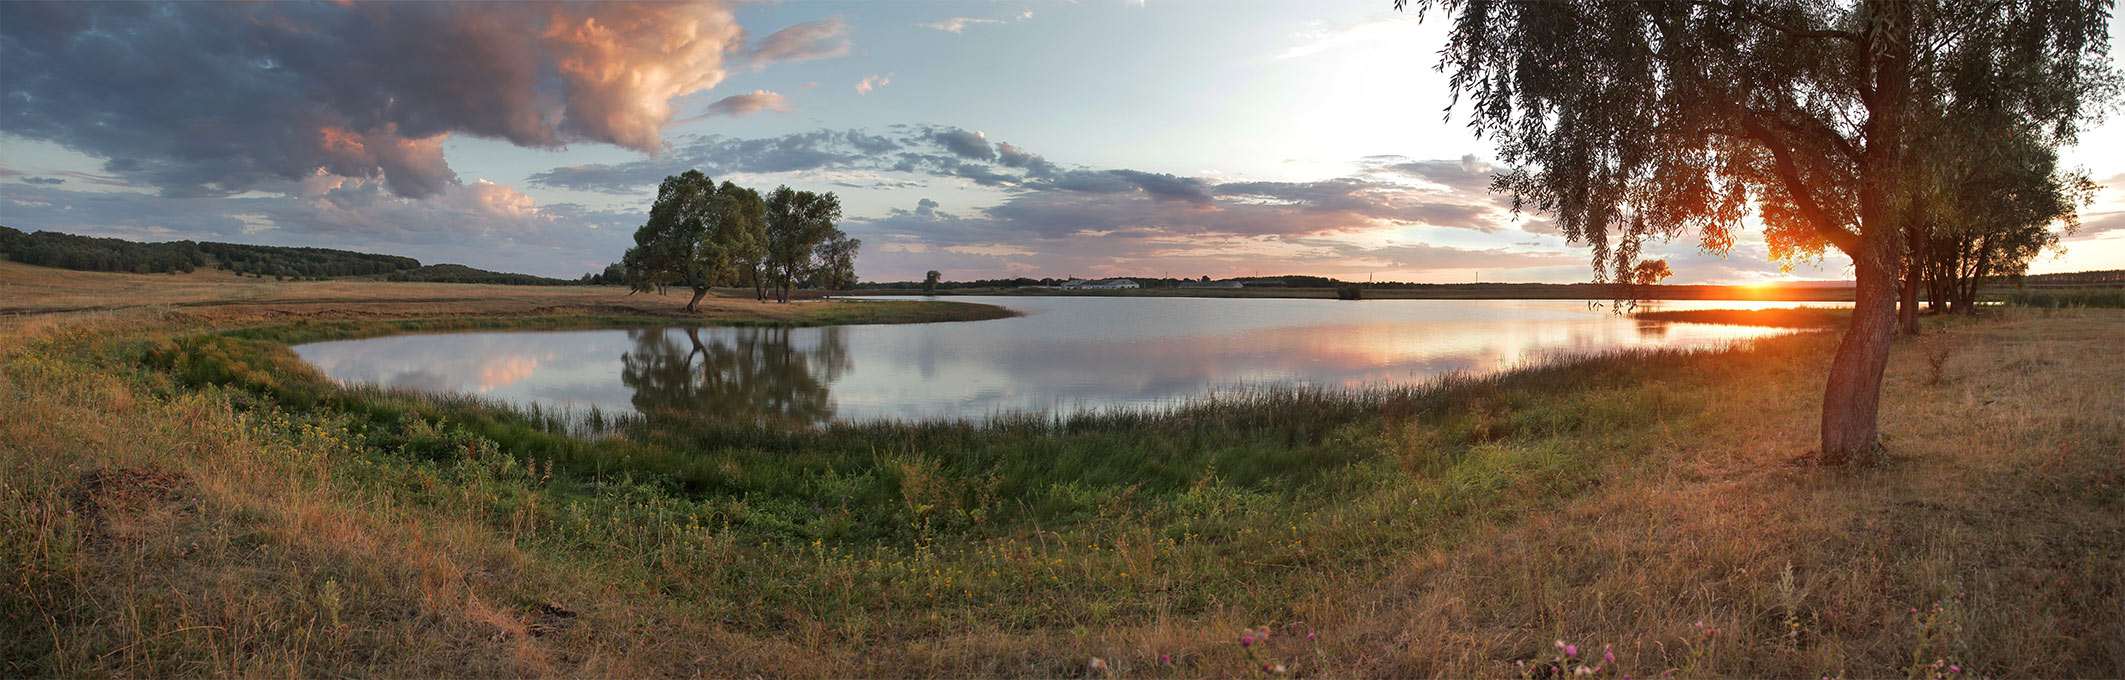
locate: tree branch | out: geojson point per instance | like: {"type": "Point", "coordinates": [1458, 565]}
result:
{"type": "Point", "coordinates": [1804, 199]}
{"type": "Point", "coordinates": [1772, 24]}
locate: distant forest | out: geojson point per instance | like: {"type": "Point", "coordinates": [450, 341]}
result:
{"type": "Point", "coordinates": [2110, 276]}
{"type": "Point", "coordinates": [457, 273]}
{"type": "Point", "coordinates": [89, 253]}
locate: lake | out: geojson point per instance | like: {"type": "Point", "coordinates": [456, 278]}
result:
{"type": "Point", "coordinates": [1066, 354]}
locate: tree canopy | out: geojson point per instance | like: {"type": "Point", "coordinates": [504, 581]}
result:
{"type": "Point", "coordinates": [698, 235]}
{"type": "Point", "coordinates": [797, 223]}
{"type": "Point", "coordinates": [702, 235]}
{"type": "Point", "coordinates": [1628, 121]}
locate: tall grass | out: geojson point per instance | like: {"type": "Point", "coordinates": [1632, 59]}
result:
{"type": "Point", "coordinates": [1451, 528]}
{"type": "Point", "coordinates": [2054, 298]}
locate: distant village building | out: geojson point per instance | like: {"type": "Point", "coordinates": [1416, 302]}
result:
{"type": "Point", "coordinates": [1102, 284]}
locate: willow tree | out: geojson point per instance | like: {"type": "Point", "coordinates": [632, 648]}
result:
{"type": "Point", "coordinates": [698, 235]}
{"type": "Point", "coordinates": [797, 222]}
{"type": "Point", "coordinates": [1629, 121]}
{"type": "Point", "coordinates": [835, 261]}
{"type": "Point", "coordinates": [2000, 210]}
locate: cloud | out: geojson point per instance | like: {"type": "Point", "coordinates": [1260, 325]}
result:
{"type": "Point", "coordinates": [1469, 174]}
{"type": "Point", "coordinates": [957, 24]}
{"type": "Point", "coordinates": [966, 144]}
{"type": "Point", "coordinates": [1322, 39]}
{"type": "Point", "coordinates": [718, 155]}
{"type": "Point", "coordinates": [479, 223]}
{"type": "Point", "coordinates": [1055, 218]}
{"type": "Point", "coordinates": [820, 39]}
{"type": "Point", "coordinates": [741, 105]}
{"type": "Point", "coordinates": [213, 99]}
{"type": "Point", "coordinates": [2098, 223]}
{"type": "Point", "coordinates": [1423, 256]}
{"type": "Point", "coordinates": [44, 180]}
{"type": "Point", "coordinates": [873, 82]}
{"type": "Point", "coordinates": [1351, 199]}
{"type": "Point", "coordinates": [1034, 165]}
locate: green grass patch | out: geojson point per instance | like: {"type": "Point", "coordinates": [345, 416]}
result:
{"type": "Point", "coordinates": [1016, 524]}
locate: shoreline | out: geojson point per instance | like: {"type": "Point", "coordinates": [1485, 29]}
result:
{"type": "Point", "coordinates": [1484, 291]}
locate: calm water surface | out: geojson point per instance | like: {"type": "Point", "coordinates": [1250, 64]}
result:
{"type": "Point", "coordinates": [1064, 355]}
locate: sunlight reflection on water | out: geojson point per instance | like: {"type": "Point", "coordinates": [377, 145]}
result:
{"type": "Point", "coordinates": [1066, 354]}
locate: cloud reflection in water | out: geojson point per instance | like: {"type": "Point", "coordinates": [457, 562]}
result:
{"type": "Point", "coordinates": [1066, 354]}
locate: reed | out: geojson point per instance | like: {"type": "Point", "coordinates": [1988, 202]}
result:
{"type": "Point", "coordinates": [2055, 298]}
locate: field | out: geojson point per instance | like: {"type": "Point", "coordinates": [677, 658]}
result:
{"type": "Point", "coordinates": [184, 497]}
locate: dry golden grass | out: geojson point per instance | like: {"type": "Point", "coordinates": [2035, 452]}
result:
{"type": "Point", "coordinates": [157, 530]}
{"type": "Point", "coordinates": [218, 297]}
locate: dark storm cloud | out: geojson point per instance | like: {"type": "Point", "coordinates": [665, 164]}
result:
{"type": "Point", "coordinates": [206, 99]}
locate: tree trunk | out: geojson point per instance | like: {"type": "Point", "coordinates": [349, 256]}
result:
{"type": "Point", "coordinates": [1914, 275]}
{"type": "Point", "coordinates": [1937, 291]}
{"type": "Point", "coordinates": [1852, 400]}
{"type": "Point", "coordinates": [694, 305]}
{"type": "Point", "coordinates": [1907, 302]}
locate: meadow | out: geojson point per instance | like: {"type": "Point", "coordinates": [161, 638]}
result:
{"type": "Point", "coordinates": [183, 496]}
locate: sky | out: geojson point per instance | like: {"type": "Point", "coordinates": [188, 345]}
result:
{"type": "Point", "coordinates": [981, 139]}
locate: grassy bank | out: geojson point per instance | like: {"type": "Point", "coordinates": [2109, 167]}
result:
{"type": "Point", "coordinates": [1791, 317]}
{"type": "Point", "coordinates": [180, 502]}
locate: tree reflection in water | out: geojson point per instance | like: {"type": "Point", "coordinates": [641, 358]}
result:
{"type": "Point", "coordinates": [732, 375]}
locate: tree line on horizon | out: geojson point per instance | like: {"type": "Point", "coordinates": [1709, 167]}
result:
{"type": "Point", "coordinates": [701, 235]}
{"type": "Point", "coordinates": [91, 253]}
{"type": "Point", "coordinates": [99, 254]}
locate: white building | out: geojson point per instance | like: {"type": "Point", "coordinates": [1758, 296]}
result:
{"type": "Point", "coordinates": [1102, 284]}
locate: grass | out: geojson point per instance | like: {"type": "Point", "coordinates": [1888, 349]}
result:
{"type": "Point", "coordinates": [2053, 298]}
{"type": "Point", "coordinates": [183, 497]}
